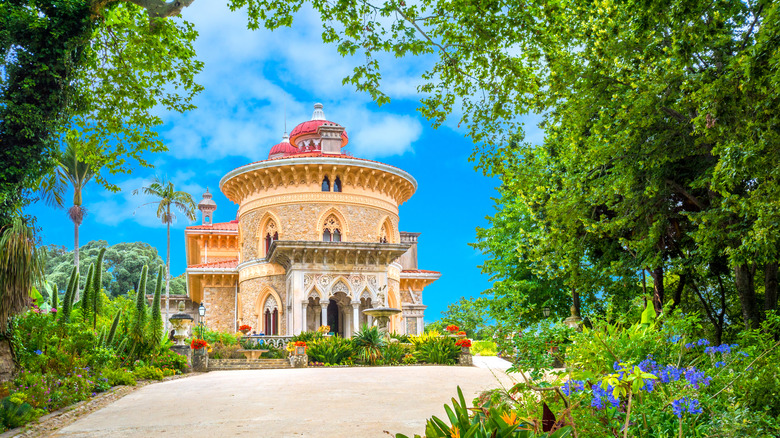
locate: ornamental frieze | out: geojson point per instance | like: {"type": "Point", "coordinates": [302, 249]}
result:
{"type": "Point", "coordinates": [323, 197]}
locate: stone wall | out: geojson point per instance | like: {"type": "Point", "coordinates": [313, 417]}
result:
{"type": "Point", "coordinates": [250, 311]}
{"type": "Point", "coordinates": [219, 302]}
{"type": "Point", "coordinates": [301, 222]}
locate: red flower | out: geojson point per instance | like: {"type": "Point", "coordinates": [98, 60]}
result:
{"type": "Point", "coordinates": [300, 343]}
{"type": "Point", "coordinates": [461, 333]}
{"type": "Point", "coordinates": [452, 328]}
{"type": "Point", "coordinates": [198, 344]}
{"type": "Point", "coordinates": [244, 328]}
{"type": "Point", "coordinates": [463, 343]}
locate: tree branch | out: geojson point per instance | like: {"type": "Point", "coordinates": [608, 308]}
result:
{"type": "Point", "coordinates": [679, 189]}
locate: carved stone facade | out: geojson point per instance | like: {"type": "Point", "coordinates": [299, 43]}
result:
{"type": "Point", "coordinates": [316, 241]}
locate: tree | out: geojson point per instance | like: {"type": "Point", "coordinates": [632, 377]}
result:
{"type": "Point", "coordinates": [121, 267]}
{"type": "Point", "coordinates": [71, 171]}
{"type": "Point", "coordinates": [469, 315]}
{"type": "Point", "coordinates": [95, 66]}
{"type": "Point", "coordinates": [168, 197]}
{"type": "Point", "coordinates": [660, 122]}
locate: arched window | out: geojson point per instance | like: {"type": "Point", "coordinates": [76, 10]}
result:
{"type": "Point", "coordinates": [331, 229]}
{"type": "Point", "coordinates": [271, 233]}
{"type": "Point", "coordinates": [385, 232]}
{"type": "Point", "coordinates": [271, 314]}
{"type": "Point", "coordinates": [325, 184]}
{"type": "Point", "coordinates": [337, 185]}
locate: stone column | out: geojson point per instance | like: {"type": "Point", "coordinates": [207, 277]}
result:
{"type": "Point", "coordinates": [305, 305]}
{"type": "Point", "coordinates": [355, 317]}
{"type": "Point", "coordinates": [324, 306]}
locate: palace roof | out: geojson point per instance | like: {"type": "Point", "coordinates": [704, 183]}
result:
{"type": "Point", "coordinates": [228, 226]}
{"type": "Point", "coordinates": [223, 264]}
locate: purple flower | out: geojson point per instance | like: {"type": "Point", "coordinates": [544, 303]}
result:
{"type": "Point", "coordinates": [572, 386]}
{"type": "Point", "coordinates": [670, 373]}
{"type": "Point", "coordinates": [649, 385]}
{"type": "Point", "coordinates": [702, 342]}
{"type": "Point", "coordinates": [53, 310]}
{"type": "Point", "coordinates": [600, 395]}
{"type": "Point", "coordinates": [720, 364]}
{"type": "Point", "coordinates": [674, 339]}
{"type": "Point", "coordinates": [685, 404]}
{"type": "Point", "coordinates": [648, 365]}
{"type": "Point", "coordinates": [723, 349]}
{"type": "Point", "coordinates": [696, 378]}
{"type": "Point", "coordinates": [38, 352]}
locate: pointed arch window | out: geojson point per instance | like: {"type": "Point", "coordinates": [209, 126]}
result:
{"type": "Point", "coordinates": [331, 229]}
{"type": "Point", "coordinates": [325, 184]}
{"type": "Point", "coordinates": [271, 234]}
{"type": "Point", "coordinates": [271, 314]}
{"type": "Point", "coordinates": [337, 184]}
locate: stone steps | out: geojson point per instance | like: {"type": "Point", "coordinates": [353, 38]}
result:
{"type": "Point", "coordinates": [244, 364]}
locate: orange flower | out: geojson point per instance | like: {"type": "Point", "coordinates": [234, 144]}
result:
{"type": "Point", "coordinates": [509, 419]}
{"type": "Point", "coordinates": [454, 432]}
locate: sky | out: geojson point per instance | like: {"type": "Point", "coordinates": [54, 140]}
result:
{"type": "Point", "coordinates": [254, 80]}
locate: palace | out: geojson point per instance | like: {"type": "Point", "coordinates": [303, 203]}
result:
{"type": "Point", "coordinates": [315, 241]}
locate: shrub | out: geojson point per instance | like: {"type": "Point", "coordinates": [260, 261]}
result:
{"type": "Point", "coordinates": [222, 351]}
{"type": "Point", "coordinates": [483, 348]}
{"type": "Point", "coordinates": [148, 373]}
{"type": "Point", "coordinates": [118, 377]}
{"type": "Point", "coordinates": [101, 357]}
{"type": "Point", "coordinates": [439, 350]}
{"type": "Point", "coordinates": [274, 353]}
{"type": "Point", "coordinates": [332, 350]}
{"type": "Point", "coordinates": [369, 344]}
{"type": "Point", "coordinates": [393, 353]}
{"type": "Point", "coordinates": [170, 360]}
{"type": "Point", "coordinates": [307, 337]}
{"type": "Point", "coordinates": [15, 411]}
{"type": "Point", "coordinates": [212, 337]}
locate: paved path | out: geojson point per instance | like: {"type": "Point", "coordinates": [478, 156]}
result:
{"type": "Point", "coordinates": [306, 402]}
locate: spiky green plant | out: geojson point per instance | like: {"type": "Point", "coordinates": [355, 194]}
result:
{"type": "Point", "coordinates": [369, 342]}
{"type": "Point", "coordinates": [21, 266]}
{"type": "Point", "coordinates": [97, 282]}
{"type": "Point", "coordinates": [156, 324]}
{"type": "Point", "coordinates": [54, 298]}
{"type": "Point", "coordinates": [139, 319]}
{"type": "Point", "coordinates": [85, 299]}
{"type": "Point", "coordinates": [67, 301]}
{"type": "Point", "coordinates": [112, 332]}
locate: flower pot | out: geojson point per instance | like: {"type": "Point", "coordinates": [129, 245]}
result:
{"type": "Point", "coordinates": [300, 351]}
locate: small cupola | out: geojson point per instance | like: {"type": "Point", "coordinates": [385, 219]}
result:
{"type": "Point", "coordinates": [207, 207]}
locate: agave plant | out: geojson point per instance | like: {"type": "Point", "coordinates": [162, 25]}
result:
{"type": "Point", "coordinates": [368, 342]}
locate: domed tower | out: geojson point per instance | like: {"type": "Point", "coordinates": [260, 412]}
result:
{"type": "Point", "coordinates": [207, 207]}
{"type": "Point", "coordinates": [317, 241]}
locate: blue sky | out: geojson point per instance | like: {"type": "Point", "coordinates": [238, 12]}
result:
{"type": "Point", "coordinates": [251, 79]}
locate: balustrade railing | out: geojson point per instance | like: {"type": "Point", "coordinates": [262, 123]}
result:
{"type": "Point", "coordinates": [276, 341]}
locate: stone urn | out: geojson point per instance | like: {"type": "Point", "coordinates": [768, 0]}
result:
{"type": "Point", "coordinates": [181, 323]}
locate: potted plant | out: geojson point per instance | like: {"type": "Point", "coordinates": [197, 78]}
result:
{"type": "Point", "coordinates": [245, 329]}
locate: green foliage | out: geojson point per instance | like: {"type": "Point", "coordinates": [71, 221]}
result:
{"type": "Point", "coordinates": [484, 348]}
{"type": "Point", "coordinates": [307, 337]}
{"type": "Point", "coordinates": [330, 350]}
{"type": "Point", "coordinates": [165, 359]}
{"type": "Point", "coordinates": [393, 353]}
{"type": "Point", "coordinates": [437, 350]}
{"type": "Point", "coordinates": [112, 331]}
{"type": "Point", "coordinates": [212, 337]}
{"type": "Point", "coordinates": [223, 351]}
{"type": "Point", "coordinates": [15, 412]}
{"type": "Point", "coordinates": [99, 68]}
{"type": "Point", "coordinates": [368, 344]}
{"type": "Point", "coordinates": [122, 265]}
{"type": "Point", "coordinates": [20, 265]}
{"type": "Point", "coordinates": [85, 294]}
{"type": "Point", "coordinates": [140, 315]}
{"type": "Point", "coordinates": [119, 376]}
{"type": "Point", "coordinates": [537, 347]}
{"type": "Point", "coordinates": [148, 372]}
{"type": "Point", "coordinates": [489, 423]}
{"type": "Point", "coordinates": [469, 314]}
{"type": "Point", "coordinates": [156, 323]}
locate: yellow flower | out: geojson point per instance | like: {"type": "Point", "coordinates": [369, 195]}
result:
{"type": "Point", "coordinates": [509, 419]}
{"type": "Point", "coordinates": [455, 433]}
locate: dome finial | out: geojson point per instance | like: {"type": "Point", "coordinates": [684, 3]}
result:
{"type": "Point", "coordinates": [318, 114]}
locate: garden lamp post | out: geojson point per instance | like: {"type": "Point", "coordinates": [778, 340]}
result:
{"type": "Point", "coordinates": [202, 313]}
{"type": "Point", "coordinates": [546, 311]}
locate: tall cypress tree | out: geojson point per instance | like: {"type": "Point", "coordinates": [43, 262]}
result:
{"type": "Point", "coordinates": [156, 328]}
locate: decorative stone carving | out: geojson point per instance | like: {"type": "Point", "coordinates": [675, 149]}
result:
{"type": "Point", "coordinates": [356, 280]}
{"type": "Point", "coordinates": [372, 280]}
{"type": "Point", "coordinates": [308, 279]}
{"type": "Point", "coordinates": [324, 280]}
{"type": "Point", "coordinates": [340, 287]}
{"type": "Point", "coordinates": [270, 304]}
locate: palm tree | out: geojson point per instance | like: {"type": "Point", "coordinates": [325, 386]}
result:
{"type": "Point", "coordinates": [168, 197]}
{"type": "Point", "coordinates": [71, 171]}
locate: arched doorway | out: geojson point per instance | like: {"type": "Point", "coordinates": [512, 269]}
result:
{"type": "Point", "coordinates": [334, 316]}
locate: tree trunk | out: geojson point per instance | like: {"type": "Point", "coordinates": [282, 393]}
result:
{"type": "Point", "coordinates": [575, 298]}
{"type": "Point", "coordinates": [770, 287]}
{"type": "Point", "coordinates": [76, 254]}
{"type": "Point", "coordinates": [6, 360]}
{"type": "Point", "coordinates": [168, 273]}
{"type": "Point", "coordinates": [743, 279]}
{"type": "Point", "coordinates": [658, 289]}
{"type": "Point", "coordinates": [678, 292]}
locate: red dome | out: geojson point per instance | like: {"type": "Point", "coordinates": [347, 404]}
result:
{"type": "Point", "coordinates": [284, 148]}
{"type": "Point", "coordinates": [310, 127]}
